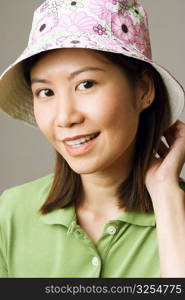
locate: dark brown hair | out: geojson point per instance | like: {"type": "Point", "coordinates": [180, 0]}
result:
{"type": "Point", "coordinates": [132, 193]}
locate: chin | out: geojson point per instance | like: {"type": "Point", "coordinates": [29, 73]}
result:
{"type": "Point", "coordinates": [85, 168]}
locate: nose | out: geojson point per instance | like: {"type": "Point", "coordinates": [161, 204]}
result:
{"type": "Point", "coordinates": [67, 113]}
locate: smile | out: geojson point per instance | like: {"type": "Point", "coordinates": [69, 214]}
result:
{"type": "Point", "coordinates": [77, 142]}
{"type": "Point", "coordinates": [82, 145]}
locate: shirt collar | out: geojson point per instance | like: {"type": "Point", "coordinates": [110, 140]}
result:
{"type": "Point", "coordinates": [138, 218]}
{"type": "Point", "coordinates": [65, 216]}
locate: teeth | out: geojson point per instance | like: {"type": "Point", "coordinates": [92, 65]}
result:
{"type": "Point", "coordinates": [81, 140]}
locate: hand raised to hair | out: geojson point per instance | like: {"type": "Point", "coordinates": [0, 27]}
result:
{"type": "Point", "coordinates": [163, 172]}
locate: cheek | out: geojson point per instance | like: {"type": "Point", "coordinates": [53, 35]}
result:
{"type": "Point", "coordinates": [43, 119]}
{"type": "Point", "coordinates": [119, 118]}
{"type": "Point", "coordinates": [116, 110]}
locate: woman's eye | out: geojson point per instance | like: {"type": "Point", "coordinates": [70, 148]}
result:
{"type": "Point", "coordinates": [87, 84]}
{"type": "Point", "coordinates": [45, 93]}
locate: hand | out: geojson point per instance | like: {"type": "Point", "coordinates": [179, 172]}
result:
{"type": "Point", "coordinates": [164, 171]}
{"type": "Point", "coordinates": [162, 182]}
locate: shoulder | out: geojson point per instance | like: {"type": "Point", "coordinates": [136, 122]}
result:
{"type": "Point", "coordinates": [26, 196]}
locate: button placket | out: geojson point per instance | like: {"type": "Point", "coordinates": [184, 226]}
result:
{"type": "Point", "coordinates": [79, 234]}
{"type": "Point", "coordinates": [109, 236]}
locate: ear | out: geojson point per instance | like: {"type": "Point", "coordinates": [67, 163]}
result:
{"type": "Point", "coordinates": [145, 91]}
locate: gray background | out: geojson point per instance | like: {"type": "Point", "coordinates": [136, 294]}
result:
{"type": "Point", "coordinates": [25, 154]}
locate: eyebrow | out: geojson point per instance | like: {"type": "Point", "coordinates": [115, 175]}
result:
{"type": "Point", "coordinates": [70, 77]}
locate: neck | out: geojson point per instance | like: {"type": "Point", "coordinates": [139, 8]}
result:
{"type": "Point", "coordinates": [99, 189]}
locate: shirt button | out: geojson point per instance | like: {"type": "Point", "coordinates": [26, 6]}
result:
{"type": "Point", "coordinates": [95, 261]}
{"type": "Point", "coordinates": [111, 230]}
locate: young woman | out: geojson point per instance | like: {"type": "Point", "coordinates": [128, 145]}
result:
{"type": "Point", "coordinates": [115, 205]}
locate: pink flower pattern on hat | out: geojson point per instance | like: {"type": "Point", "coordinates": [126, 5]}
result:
{"type": "Point", "coordinates": [101, 8]}
{"type": "Point", "coordinates": [76, 41]}
{"type": "Point", "coordinates": [143, 39]}
{"type": "Point", "coordinates": [99, 29]}
{"type": "Point", "coordinates": [77, 22]}
{"type": "Point", "coordinates": [73, 5]}
{"type": "Point", "coordinates": [123, 27]}
{"type": "Point", "coordinates": [95, 17]}
{"type": "Point", "coordinates": [104, 44]}
{"type": "Point", "coordinates": [45, 25]}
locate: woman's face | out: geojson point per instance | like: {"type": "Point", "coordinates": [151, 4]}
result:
{"type": "Point", "coordinates": [79, 92]}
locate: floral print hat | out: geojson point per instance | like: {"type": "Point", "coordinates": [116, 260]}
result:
{"type": "Point", "coordinates": [119, 26]}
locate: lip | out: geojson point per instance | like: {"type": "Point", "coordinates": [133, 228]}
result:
{"type": "Point", "coordinates": [77, 137]}
{"type": "Point", "coordinates": [82, 148]}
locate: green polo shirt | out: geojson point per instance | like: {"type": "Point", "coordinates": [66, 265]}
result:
{"type": "Point", "coordinates": [54, 245]}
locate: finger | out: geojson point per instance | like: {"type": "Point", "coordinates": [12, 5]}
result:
{"type": "Point", "coordinates": [163, 150]}
{"type": "Point", "coordinates": [175, 131]}
{"type": "Point", "coordinates": [170, 138]}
